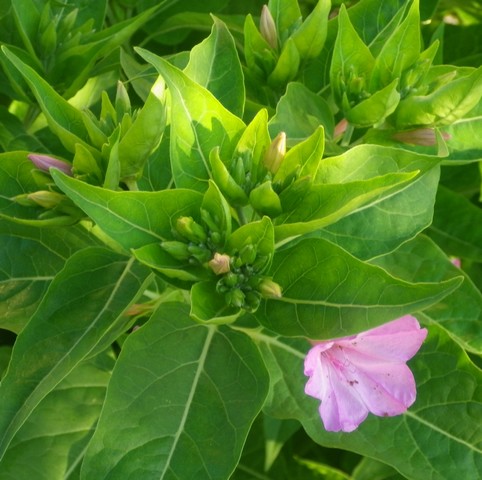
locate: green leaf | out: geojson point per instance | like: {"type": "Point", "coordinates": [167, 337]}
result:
{"type": "Point", "coordinates": [369, 469]}
{"type": "Point", "coordinates": [457, 225]}
{"type": "Point", "coordinates": [195, 390]}
{"type": "Point", "coordinates": [64, 120]}
{"type": "Point", "coordinates": [199, 123]}
{"type": "Point", "coordinates": [303, 160]}
{"type": "Point", "coordinates": [50, 446]}
{"type": "Point", "coordinates": [299, 113]}
{"type": "Point", "coordinates": [448, 405]}
{"type": "Point", "coordinates": [310, 37]}
{"type": "Point", "coordinates": [459, 312]}
{"type": "Point", "coordinates": [145, 133]}
{"type": "Point", "coordinates": [133, 219]}
{"type": "Point", "coordinates": [215, 65]}
{"type": "Point", "coordinates": [328, 293]}
{"type": "Point", "coordinates": [465, 145]}
{"type": "Point", "coordinates": [376, 108]}
{"type": "Point", "coordinates": [259, 234]}
{"type": "Point", "coordinates": [443, 106]}
{"type": "Point", "coordinates": [287, 66]}
{"type": "Point", "coordinates": [326, 204]}
{"type": "Point", "coordinates": [81, 314]}
{"type": "Point", "coordinates": [209, 306]}
{"type": "Point", "coordinates": [286, 15]}
{"type": "Point", "coordinates": [365, 233]}
{"type": "Point", "coordinates": [351, 57]}
{"type": "Point", "coordinates": [399, 52]}
{"type": "Point", "coordinates": [30, 258]}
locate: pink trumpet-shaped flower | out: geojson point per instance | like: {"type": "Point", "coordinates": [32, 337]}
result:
{"type": "Point", "coordinates": [44, 162]}
{"type": "Point", "coordinates": [364, 373]}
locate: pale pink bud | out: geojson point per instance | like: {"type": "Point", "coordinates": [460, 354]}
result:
{"type": "Point", "coordinates": [44, 162]}
{"type": "Point", "coordinates": [220, 263]}
{"type": "Point", "coordinates": [364, 373]}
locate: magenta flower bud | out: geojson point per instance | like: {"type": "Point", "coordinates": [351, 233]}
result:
{"type": "Point", "coordinates": [44, 162]}
{"type": "Point", "coordinates": [364, 373]}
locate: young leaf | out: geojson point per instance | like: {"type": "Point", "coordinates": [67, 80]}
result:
{"type": "Point", "coordinates": [351, 57]}
{"type": "Point", "coordinates": [195, 389]}
{"type": "Point", "coordinates": [326, 204]}
{"type": "Point", "coordinates": [133, 219]}
{"type": "Point", "coordinates": [64, 120]}
{"type": "Point", "coordinates": [299, 113]}
{"type": "Point", "coordinates": [81, 314]}
{"type": "Point", "coordinates": [310, 37]}
{"type": "Point", "coordinates": [328, 293]}
{"type": "Point", "coordinates": [400, 51]}
{"type": "Point", "coordinates": [286, 15]}
{"type": "Point", "coordinates": [215, 65]}
{"type": "Point", "coordinates": [199, 123]}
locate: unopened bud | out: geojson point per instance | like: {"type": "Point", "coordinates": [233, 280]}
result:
{"type": "Point", "coordinates": [235, 298]}
{"type": "Point", "coordinates": [122, 101]}
{"type": "Point", "coordinates": [44, 162]}
{"type": "Point", "coordinates": [191, 230]}
{"type": "Point", "coordinates": [267, 27]}
{"type": "Point", "coordinates": [220, 263]}
{"type": "Point", "coordinates": [269, 289]}
{"type": "Point", "coordinates": [46, 199]}
{"type": "Point", "coordinates": [176, 249]}
{"type": "Point", "coordinates": [425, 137]}
{"type": "Point", "coordinates": [275, 153]}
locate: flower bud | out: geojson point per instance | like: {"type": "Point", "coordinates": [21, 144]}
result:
{"type": "Point", "coordinates": [45, 162]}
{"type": "Point", "coordinates": [253, 299]}
{"type": "Point", "coordinates": [220, 263]}
{"type": "Point", "coordinates": [425, 137]}
{"type": "Point", "coordinates": [191, 230]}
{"type": "Point", "coordinates": [202, 254]}
{"type": "Point", "coordinates": [122, 101]}
{"type": "Point", "coordinates": [269, 289]}
{"type": "Point", "coordinates": [267, 27]}
{"type": "Point", "coordinates": [46, 199]}
{"type": "Point", "coordinates": [275, 153]}
{"type": "Point", "coordinates": [178, 250]}
{"type": "Point", "coordinates": [235, 298]}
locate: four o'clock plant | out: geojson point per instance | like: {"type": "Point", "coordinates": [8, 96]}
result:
{"type": "Point", "coordinates": [228, 240]}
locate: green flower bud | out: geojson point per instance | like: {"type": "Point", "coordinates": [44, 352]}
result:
{"type": "Point", "coordinates": [253, 299]}
{"type": "Point", "coordinates": [230, 279]}
{"type": "Point", "coordinates": [269, 289]}
{"type": "Point", "coordinates": [202, 254]}
{"type": "Point", "coordinates": [178, 250]}
{"type": "Point", "coordinates": [235, 297]}
{"type": "Point", "coordinates": [46, 199]}
{"type": "Point", "coordinates": [190, 230]}
{"type": "Point", "coordinates": [248, 254]}
{"type": "Point", "coordinates": [267, 27]}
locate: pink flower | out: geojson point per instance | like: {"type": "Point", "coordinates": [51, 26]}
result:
{"type": "Point", "coordinates": [44, 162]}
{"type": "Point", "coordinates": [364, 373]}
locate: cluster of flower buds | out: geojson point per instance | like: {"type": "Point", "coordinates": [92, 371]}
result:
{"type": "Point", "coordinates": [244, 285]}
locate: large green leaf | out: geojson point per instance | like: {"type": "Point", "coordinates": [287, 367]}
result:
{"type": "Point", "coordinates": [327, 292]}
{"type": "Point", "coordinates": [30, 258]}
{"type": "Point", "coordinates": [180, 404]}
{"type": "Point", "coordinates": [457, 225]}
{"type": "Point", "coordinates": [133, 219]}
{"type": "Point", "coordinates": [325, 204]}
{"type": "Point", "coordinates": [215, 65]}
{"type": "Point", "coordinates": [434, 439]}
{"type": "Point", "coordinates": [365, 233]}
{"type": "Point", "coordinates": [81, 314]}
{"type": "Point", "coordinates": [460, 312]}
{"type": "Point", "coordinates": [50, 446]}
{"type": "Point", "coordinates": [199, 123]}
